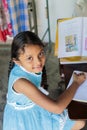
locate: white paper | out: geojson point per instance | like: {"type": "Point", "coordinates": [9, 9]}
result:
{"type": "Point", "coordinates": [84, 42]}
{"type": "Point", "coordinates": [81, 93]}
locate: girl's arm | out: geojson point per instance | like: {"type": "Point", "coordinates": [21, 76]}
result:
{"type": "Point", "coordinates": [27, 88]}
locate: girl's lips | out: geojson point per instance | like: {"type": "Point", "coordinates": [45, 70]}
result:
{"type": "Point", "coordinates": [38, 68]}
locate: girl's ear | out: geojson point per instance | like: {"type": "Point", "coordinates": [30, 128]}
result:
{"type": "Point", "coordinates": [16, 61]}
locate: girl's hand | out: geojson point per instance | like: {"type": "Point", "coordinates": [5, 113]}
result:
{"type": "Point", "coordinates": [79, 78]}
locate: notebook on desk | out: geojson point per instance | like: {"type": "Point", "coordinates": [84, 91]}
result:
{"type": "Point", "coordinates": [77, 109]}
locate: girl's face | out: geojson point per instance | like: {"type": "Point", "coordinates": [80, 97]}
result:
{"type": "Point", "coordinates": [32, 59]}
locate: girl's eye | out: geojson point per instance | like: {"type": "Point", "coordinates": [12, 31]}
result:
{"type": "Point", "coordinates": [30, 58]}
{"type": "Point", "coordinates": [42, 53]}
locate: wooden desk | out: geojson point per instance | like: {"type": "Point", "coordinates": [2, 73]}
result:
{"type": "Point", "coordinates": [77, 110]}
{"type": "Point", "coordinates": [69, 68]}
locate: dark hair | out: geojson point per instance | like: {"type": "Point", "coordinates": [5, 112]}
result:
{"type": "Point", "coordinates": [19, 42]}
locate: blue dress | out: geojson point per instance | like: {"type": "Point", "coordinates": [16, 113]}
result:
{"type": "Point", "coordinates": [21, 113]}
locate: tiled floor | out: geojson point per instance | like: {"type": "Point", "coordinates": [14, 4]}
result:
{"type": "Point", "coordinates": [52, 69]}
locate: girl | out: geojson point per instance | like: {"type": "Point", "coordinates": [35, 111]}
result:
{"type": "Point", "coordinates": [27, 108]}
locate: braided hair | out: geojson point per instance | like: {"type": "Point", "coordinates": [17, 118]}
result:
{"type": "Point", "coordinates": [11, 65]}
{"type": "Point", "coordinates": [19, 42]}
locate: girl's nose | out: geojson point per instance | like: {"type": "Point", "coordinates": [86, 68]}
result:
{"type": "Point", "coordinates": [37, 60]}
